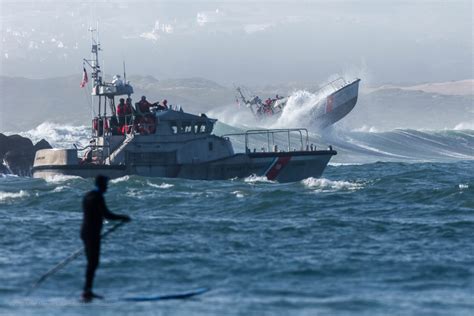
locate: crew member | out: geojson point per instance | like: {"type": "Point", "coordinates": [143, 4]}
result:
{"type": "Point", "coordinates": [117, 81]}
{"type": "Point", "coordinates": [124, 112]}
{"type": "Point", "coordinates": [267, 107]}
{"type": "Point", "coordinates": [114, 125]}
{"type": "Point", "coordinates": [163, 106]}
{"type": "Point", "coordinates": [143, 106]}
{"type": "Point", "coordinates": [95, 211]}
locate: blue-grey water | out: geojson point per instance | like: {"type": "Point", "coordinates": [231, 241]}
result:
{"type": "Point", "coordinates": [389, 229]}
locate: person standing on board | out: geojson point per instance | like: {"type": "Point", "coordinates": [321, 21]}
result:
{"type": "Point", "coordinates": [121, 112]}
{"type": "Point", "coordinates": [143, 106]}
{"type": "Point", "coordinates": [95, 211]}
{"type": "Point", "coordinates": [124, 114]}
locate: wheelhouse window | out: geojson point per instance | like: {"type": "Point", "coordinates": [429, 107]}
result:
{"type": "Point", "coordinates": [187, 127]}
{"type": "Point", "coordinates": [174, 127]}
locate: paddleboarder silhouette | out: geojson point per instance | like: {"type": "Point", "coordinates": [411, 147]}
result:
{"type": "Point", "coordinates": [95, 210]}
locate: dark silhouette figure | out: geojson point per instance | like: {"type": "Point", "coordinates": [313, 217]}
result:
{"type": "Point", "coordinates": [95, 211]}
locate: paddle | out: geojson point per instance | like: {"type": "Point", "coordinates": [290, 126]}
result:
{"type": "Point", "coordinates": [68, 259]}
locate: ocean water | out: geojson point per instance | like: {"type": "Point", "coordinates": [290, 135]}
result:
{"type": "Point", "coordinates": [387, 230]}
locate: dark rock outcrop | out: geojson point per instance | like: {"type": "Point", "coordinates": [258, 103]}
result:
{"type": "Point", "coordinates": [42, 144]}
{"type": "Point", "coordinates": [17, 154]}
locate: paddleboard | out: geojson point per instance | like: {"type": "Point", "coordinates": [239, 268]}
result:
{"type": "Point", "coordinates": [175, 296]}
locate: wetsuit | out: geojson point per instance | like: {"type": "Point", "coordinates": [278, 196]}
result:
{"type": "Point", "coordinates": [95, 211]}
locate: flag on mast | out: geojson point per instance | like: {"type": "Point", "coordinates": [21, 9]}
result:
{"type": "Point", "coordinates": [85, 79]}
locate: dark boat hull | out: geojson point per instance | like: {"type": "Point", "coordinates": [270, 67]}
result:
{"type": "Point", "coordinates": [278, 166]}
{"type": "Point", "coordinates": [337, 105]}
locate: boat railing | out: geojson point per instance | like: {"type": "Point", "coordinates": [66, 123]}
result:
{"type": "Point", "coordinates": [332, 86]}
{"type": "Point", "coordinates": [269, 135]}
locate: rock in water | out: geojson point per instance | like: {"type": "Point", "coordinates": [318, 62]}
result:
{"type": "Point", "coordinates": [19, 161]}
{"type": "Point", "coordinates": [17, 154]}
{"type": "Point", "coordinates": [42, 144]}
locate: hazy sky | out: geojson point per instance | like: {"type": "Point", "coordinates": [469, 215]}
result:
{"type": "Point", "coordinates": [244, 41]}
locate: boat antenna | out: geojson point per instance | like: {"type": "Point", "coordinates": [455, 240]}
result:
{"type": "Point", "coordinates": [94, 62]}
{"type": "Point", "coordinates": [124, 74]}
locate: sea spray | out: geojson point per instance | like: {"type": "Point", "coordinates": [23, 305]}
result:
{"type": "Point", "coordinates": [60, 135]}
{"type": "Point", "coordinates": [235, 116]}
{"type": "Point", "coordinates": [301, 108]}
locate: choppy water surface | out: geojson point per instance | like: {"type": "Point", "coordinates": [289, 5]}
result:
{"type": "Point", "coordinates": [375, 238]}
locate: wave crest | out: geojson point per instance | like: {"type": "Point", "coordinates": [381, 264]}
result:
{"type": "Point", "coordinates": [160, 186]}
{"type": "Point", "coordinates": [255, 179]}
{"type": "Point", "coordinates": [121, 179]}
{"type": "Point", "coordinates": [4, 196]}
{"type": "Point", "coordinates": [322, 184]}
{"type": "Point", "coordinates": [59, 135]}
{"type": "Point", "coordinates": [60, 178]}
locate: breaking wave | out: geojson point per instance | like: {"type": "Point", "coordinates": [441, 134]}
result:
{"type": "Point", "coordinates": [61, 178]}
{"type": "Point", "coordinates": [59, 135]}
{"type": "Point", "coordinates": [464, 126]}
{"type": "Point", "coordinates": [5, 196]}
{"type": "Point", "coordinates": [160, 186]}
{"type": "Point", "coordinates": [322, 185]}
{"type": "Point", "coordinates": [238, 194]}
{"type": "Point", "coordinates": [121, 179]}
{"type": "Point", "coordinates": [257, 179]}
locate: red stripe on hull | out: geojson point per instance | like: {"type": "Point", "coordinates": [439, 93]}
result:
{"type": "Point", "coordinates": [272, 174]}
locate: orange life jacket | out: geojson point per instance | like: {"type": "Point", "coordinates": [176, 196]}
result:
{"type": "Point", "coordinates": [121, 110]}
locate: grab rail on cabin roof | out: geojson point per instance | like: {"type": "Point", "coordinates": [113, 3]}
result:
{"type": "Point", "coordinates": [270, 134]}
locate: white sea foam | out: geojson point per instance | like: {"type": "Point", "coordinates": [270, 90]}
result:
{"type": "Point", "coordinates": [234, 116]}
{"type": "Point", "coordinates": [160, 186]}
{"type": "Point", "coordinates": [60, 178]}
{"type": "Point", "coordinates": [121, 179]}
{"type": "Point", "coordinates": [366, 129]}
{"type": "Point", "coordinates": [302, 106]}
{"type": "Point", "coordinates": [322, 184]}
{"type": "Point", "coordinates": [254, 179]}
{"type": "Point", "coordinates": [12, 195]}
{"type": "Point", "coordinates": [60, 188]}
{"type": "Point", "coordinates": [134, 193]}
{"type": "Point", "coordinates": [338, 164]}
{"type": "Point", "coordinates": [464, 126]}
{"type": "Point", "coordinates": [59, 135]}
{"type": "Point", "coordinates": [238, 194]}
{"type": "Point", "coordinates": [3, 175]}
